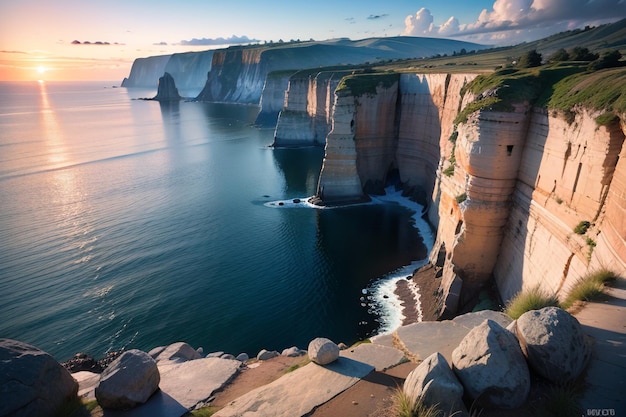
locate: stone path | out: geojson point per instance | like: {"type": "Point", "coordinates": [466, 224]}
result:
{"type": "Point", "coordinates": [605, 322]}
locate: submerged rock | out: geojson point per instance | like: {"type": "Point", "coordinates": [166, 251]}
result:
{"type": "Point", "coordinates": [32, 383]}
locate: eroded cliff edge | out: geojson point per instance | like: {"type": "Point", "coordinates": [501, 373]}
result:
{"type": "Point", "coordinates": [505, 184]}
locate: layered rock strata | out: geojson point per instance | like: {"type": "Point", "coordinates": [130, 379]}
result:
{"type": "Point", "coordinates": [504, 189]}
{"type": "Point", "coordinates": [306, 116]}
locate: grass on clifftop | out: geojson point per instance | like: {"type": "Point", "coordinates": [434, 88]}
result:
{"type": "Point", "coordinates": [360, 84]}
{"type": "Point", "coordinates": [561, 87]}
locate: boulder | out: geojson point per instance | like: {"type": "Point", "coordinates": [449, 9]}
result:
{"type": "Point", "coordinates": [178, 352]}
{"type": "Point", "coordinates": [434, 382]}
{"type": "Point", "coordinates": [32, 383]}
{"type": "Point", "coordinates": [292, 352]}
{"type": "Point", "coordinates": [323, 351]}
{"type": "Point", "coordinates": [128, 381]}
{"type": "Point", "coordinates": [243, 357]}
{"type": "Point", "coordinates": [553, 342]}
{"type": "Point", "coordinates": [264, 354]}
{"type": "Point", "coordinates": [490, 365]}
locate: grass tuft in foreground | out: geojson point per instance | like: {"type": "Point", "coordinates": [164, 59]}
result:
{"type": "Point", "coordinates": [588, 288]}
{"type": "Point", "coordinates": [532, 299]}
{"type": "Point", "coordinates": [561, 401]}
{"type": "Point", "coordinates": [404, 406]}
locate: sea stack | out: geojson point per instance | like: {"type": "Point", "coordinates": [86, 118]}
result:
{"type": "Point", "coordinates": [167, 90]}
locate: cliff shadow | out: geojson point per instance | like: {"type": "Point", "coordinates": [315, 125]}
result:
{"type": "Point", "coordinates": [301, 169]}
{"type": "Point", "coordinates": [419, 133]}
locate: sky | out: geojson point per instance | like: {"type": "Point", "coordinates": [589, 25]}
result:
{"type": "Point", "coordinates": [99, 40]}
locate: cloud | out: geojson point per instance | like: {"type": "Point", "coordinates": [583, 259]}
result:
{"type": "Point", "coordinates": [376, 16]}
{"type": "Point", "coordinates": [160, 44]}
{"type": "Point", "coordinates": [98, 43]}
{"type": "Point", "coordinates": [218, 41]}
{"type": "Point", "coordinates": [512, 21]}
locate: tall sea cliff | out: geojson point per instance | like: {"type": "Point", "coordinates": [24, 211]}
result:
{"type": "Point", "coordinates": [505, 189]}
{"type": "Point", "coordinates": [508, 173]}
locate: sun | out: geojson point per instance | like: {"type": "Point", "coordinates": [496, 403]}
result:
{"type": "Point", "coordinates": [41, 69]}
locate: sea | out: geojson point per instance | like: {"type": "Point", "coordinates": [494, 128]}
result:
{"type": "Point", "coordinates": [127, 223]}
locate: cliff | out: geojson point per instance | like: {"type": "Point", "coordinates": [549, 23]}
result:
{"type": "Point", "coordinates": [238, 74]}
{"type": "Point", "coordinates": [506, 175]}
{"type": "Point", "coordinates": [306, 115]}
{"type": "Point", "coordinates": [189, 70]}
{"type": "Point", "coordinates": [145, 72]}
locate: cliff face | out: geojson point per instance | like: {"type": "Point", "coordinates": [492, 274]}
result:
{"type": "Point", "coordinates": [189, 70]}
{"type": "Point", "coordinates": [306, 115]}
{"type": "Point", "coordinates": [504, 189]}
{"type": "Point", "coordinates": [145, 72]}
{"type": "Point", "coordinates": [238, 74]}
{"type": "Point", "coordinates": [569, 173]}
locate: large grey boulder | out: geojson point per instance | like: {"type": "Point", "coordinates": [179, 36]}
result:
{"type": "Point", "coordinates": [178, 352]}
{"type": "Point", "coordinates": [32, 383]}
{"type": "Point", "coordinates": [128, 381]}
{"type": "Point", "coordinates": [554, 343]}
{"type": "Point", "coordinates": [323, 351]}
{"type": "Point", "coordinates": [490, 365]}
{"type": "Point", "coordinates": [434, 382]}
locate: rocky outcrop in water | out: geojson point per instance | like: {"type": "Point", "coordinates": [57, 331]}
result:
{"type": "Point", "coordinates": [167, 90]}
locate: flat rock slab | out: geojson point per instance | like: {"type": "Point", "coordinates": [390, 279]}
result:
{"type": "Point", "coordinates": [379, 356]}
{"type": "Point", "coordinates": [605, 322]}
{"type": "Point", "coordinates": [159, 405]}
{"type": "Point", "coordinates": [298, 392]}
{"type": "Point", "coordinates": [420, 340]}
{"type": "Point", "coordinates": [87, 383]}
{"type": "Point", "coordinates": [193, 382]}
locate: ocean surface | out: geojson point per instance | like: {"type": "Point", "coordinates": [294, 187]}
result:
{"type": "Point", "coordinates": [133, 224]}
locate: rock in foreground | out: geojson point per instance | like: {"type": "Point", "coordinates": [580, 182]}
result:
{"type": "Point", "coordinates": [554, 343]}
{"type": "Point", "coordinates": [129, 381]}
{"type": "Point", "coordinates": [491, 366]}
{"type": "Point", "coordinates": [32, 383]}
{"type": "Point", "coordinates": [434, 382]}
{"type": "Point", "coordinates": [323, 351]}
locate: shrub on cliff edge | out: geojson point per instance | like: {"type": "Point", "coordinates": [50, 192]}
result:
{"type": "Point", "coordinates": [531, 299]}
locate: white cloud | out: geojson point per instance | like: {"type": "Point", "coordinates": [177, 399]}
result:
{"type": "Point", "coordinates": [512, 21]}
{"type": "Point", "coordinates": [219, 41]}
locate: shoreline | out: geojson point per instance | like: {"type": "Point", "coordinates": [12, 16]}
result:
{"type": "Point", "coordinates": [428, 286]}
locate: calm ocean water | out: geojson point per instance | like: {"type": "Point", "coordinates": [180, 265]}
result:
{"type": "Point", "coordinates": [129, 223]}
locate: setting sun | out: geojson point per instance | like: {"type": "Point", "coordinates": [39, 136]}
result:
{"type": "Point", "coordinates": [41, 69]}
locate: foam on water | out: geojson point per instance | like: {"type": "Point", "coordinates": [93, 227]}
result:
{"type": "Point", "coordinates": [380, 297]}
